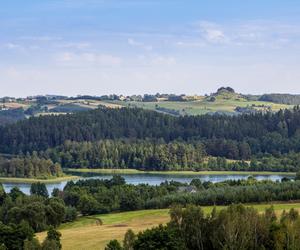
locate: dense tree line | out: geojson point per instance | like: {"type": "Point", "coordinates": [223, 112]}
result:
{"type": "Point", "coordinates": [38, 211]}
{"type": "Point", "coordinates": [29, 166]}
{"type": "Point", "coordinates": [228, 194]}
{"type": "Point", "coordinates": [22, 215]}
{"type": "Point", "coordinates": [138, 154]}
{"type": "Point", "coordinates": [236, 137]}
{"type": "Point", "coordinates": [41, 133]}
{"type": "Point", "coordinates": [11, 116]}
{"type": "Point", "coordinates": [102, 196]}
{"type": "Point", "coordinates": [159, 155]}
{"type": "Point", "coordinates": [284, 163]}
{"type": "Point", "coordinates": [13, 236]}
{"type": "Point", "coordinates": [281, 98]}
{"type": "Point", "coordinates": [236, 227]}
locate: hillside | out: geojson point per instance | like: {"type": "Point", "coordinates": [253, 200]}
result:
{"type": "Point", "coordinates": [223, 101]}
{"type": "Point", "coordinates": [86, 233]}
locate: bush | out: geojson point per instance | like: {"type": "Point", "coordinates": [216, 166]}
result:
{"type": "Point", "coordinates": [113, 245]}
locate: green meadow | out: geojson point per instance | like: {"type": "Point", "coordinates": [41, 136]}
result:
{"type": "Point", "coordinates": [89, 233]}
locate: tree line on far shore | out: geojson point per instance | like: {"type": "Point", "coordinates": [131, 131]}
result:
{"type": "Point", "coordinates": [141, 139]}
{"type": "Point", "coordinates": [234, 137]}
{"type": "Point", "coordinates": [29, 166]}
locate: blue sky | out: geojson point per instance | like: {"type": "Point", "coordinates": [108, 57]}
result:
{"type": "Point", "coordinates": [128, 46]}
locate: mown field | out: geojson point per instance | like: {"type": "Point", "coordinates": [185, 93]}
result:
{"type": "Point", "coordinates": [87, 233]}
{"type": "Point", "coordinates": [198, 107]}
{"type": "Point", "coordinates": [224, 102]}
{"type": "Point", "coordinates": [201, 107]}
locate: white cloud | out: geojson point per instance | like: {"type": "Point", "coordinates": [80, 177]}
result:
{"type": "Point", "coordinates": [20, 47]}
{"type": "Point", "coordinates": [190, 44]}
{"type": "Point", "coordinates": [42, 38]}
{"type": "Point", "coordinates": [212, 33]}
{"type": "Point", "coordinates": [12, 46]}
{"type": "Point", "coordinates": [76, 45]}
{"type": "Point", "coordinates": [135, 43]}
{"type": "Point", "coordinates": [254, 33]}
{"type": "Point", "coordinates": [162, 60]}
{"type": "Point", "coordinates": [155, 60]}
{"type": "Point", "coordinates": [269, 34]}
{"type": "Point", "coordinates": [88, 59]}
{"type": "Point", "coordinates": [22, 75]}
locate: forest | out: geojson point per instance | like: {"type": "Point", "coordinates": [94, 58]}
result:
{"type": "Point", "coordinates": [137, 154]}
{"type": "Point", "coordinates": [103, 196]}
{"type": "Point", "coordinates": [281, 98]}
{"type": "Point", "coordinates": [29, 166]}
{"type": "Point", "coordinates": [22, 215]}
{"type": "Point", "coordinates": [158, 155]}
{"type": "Point", "coordinates": [273, 133]}
{"type": "Point", "coordinates": [147, 140]}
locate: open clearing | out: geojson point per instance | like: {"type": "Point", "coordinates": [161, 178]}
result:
{"type": "Point", "coordinates": [92, 104]}
{"type": "Point", "coordinates": [86, 233]}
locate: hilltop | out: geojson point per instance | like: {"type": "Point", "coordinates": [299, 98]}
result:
{"type": "Point", "coordinates": [225, 100]}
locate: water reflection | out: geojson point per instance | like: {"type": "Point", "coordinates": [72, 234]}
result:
{"type": "Point", "coordinates": [151, 179]}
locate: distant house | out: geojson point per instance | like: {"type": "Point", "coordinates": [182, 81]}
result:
{"type": "Point", "coordinates": [3, 108]}
{"type": "Point", "coordinates": [162, 99]}
{"type": "Point", "coordinates": [149, 98]}
{"type": "Point", "coordinates": [177, 98]}
{"type": "Point", "coordinates": [136, 98]}
{"type": "Point", "coordinates": [122, 98]}
{"type": "Point", "coordinates": [187, 189]}
{"type": "Point", "coordinates": [8, 99]}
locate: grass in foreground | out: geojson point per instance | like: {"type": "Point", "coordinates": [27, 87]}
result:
{"type": "Point", "coordinates": [85, 233]}
{"type": "Point", "coordinates": [134, 171]}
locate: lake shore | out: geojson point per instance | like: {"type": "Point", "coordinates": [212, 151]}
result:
{"type": "Point", "coordinates": [32, 180]}
{"type": "Point", "coordinates": [135, 171]}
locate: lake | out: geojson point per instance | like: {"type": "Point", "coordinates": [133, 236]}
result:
{"type": "Point", "coordinates": [151, 179]}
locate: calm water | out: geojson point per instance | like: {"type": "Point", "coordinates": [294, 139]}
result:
{"type": "Point", "coordinates": [151, 179]}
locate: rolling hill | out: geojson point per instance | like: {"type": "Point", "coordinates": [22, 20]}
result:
{"type": "Point", "coordinates": [223, 101]}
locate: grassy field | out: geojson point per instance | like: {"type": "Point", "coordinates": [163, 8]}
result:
{"type": "Point", "coordinates": [201, 107]}
{"type": "Point", "coordinates": [134, 171]}
{"type": "Point", "coordinates": [92, 104]}
{"type": "Point", "coordinates": [86, 233]}
{"type": "Point", "coordinates": [29, 180]}
{"type": "Point", "coordinates": [224, 102]}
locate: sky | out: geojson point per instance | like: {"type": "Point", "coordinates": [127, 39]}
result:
{"type": "Point", "coordinates": [98, 47]}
